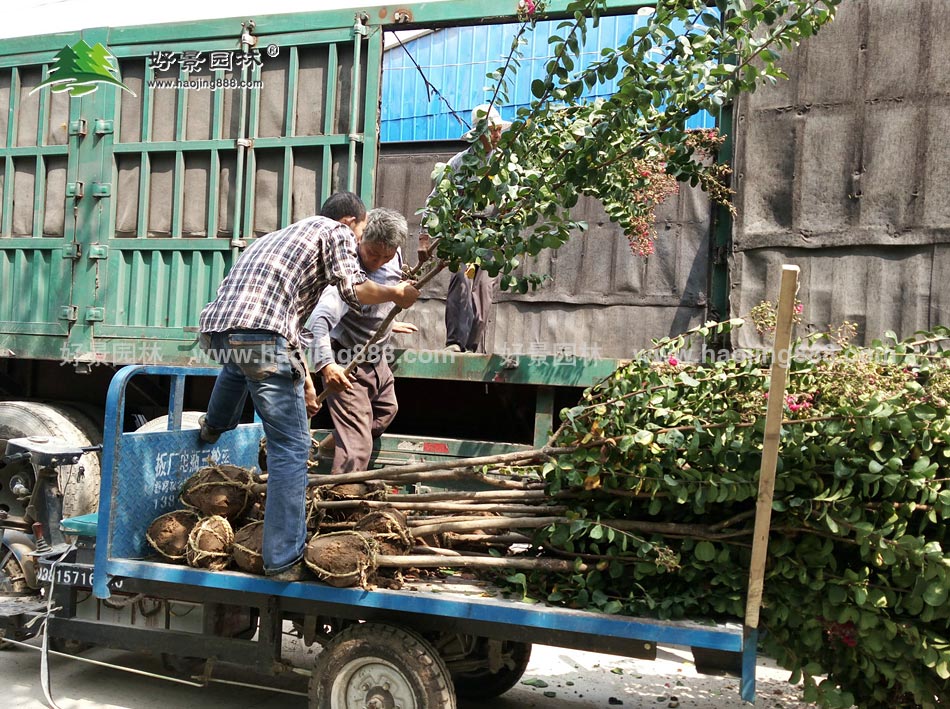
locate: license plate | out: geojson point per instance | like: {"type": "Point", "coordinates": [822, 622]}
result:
{"type": "Point", "coordinates": [65, 574]}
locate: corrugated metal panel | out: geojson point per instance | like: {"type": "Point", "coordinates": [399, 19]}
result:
{"type": "Point", "coordinates": [35, 269]}
{"type": "Point", "coordinates": [456, 61]}
{"type": "Point", "coordinates": [35, 287]}
{"type": "Point", "coordinates": [847, 173]}
{"type": "Point", "coordinates": [176, 177]}
{"type": "Point", "coordinates": [601, 300]}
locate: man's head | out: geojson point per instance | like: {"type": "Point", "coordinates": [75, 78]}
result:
{"type": "Point", "coordinates": [346, 208]}
{"type": "Point", "coordinates": [386, 230]}
{"type": "Point", "coordinates": [490, 138]}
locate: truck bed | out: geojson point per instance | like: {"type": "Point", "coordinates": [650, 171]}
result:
{"type": "Point", "coordinates": [143, 472]}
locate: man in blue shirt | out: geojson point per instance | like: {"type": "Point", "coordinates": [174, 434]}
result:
{"type": "Point", "coordinates": [364, 405]}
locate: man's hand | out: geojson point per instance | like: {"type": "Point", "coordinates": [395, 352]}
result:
{"type": "Point", "coordinates": [310, 397]}
{"type": "Point", "coordinates": [406, 294]}
{"type": "Point", "coordinates": [401, 327]}
{"type": "Point", "coordinates": [335, 379]}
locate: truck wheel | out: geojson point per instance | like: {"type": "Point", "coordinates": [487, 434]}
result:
{"type": "Point", "coordinates": [189, 419]}
{"type": "Point", "coordinates": [12, 581]}
{"type": "Point", "coordinates": [380, 665]}
{"type": "Point", "coordinates": [19, 419]}
{"type": "Point", "coordinates": [485, 684]}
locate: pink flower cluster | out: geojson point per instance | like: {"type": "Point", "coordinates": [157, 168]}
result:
{"type": "Point", "coordinates": [798, 402]}
{"type": "Point", "coordinates": [529, 6]}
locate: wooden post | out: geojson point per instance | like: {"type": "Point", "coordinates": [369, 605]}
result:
{"type": "Point", "coordinates": [781, 354]}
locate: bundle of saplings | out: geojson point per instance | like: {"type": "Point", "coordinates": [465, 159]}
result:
{"type": "Point", "coordinates": [661, 490]}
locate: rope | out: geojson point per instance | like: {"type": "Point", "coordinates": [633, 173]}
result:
{"type": "Point", "coordinates": [365, 562]}
{"type": "Point", "coordinates": [219, 559]}
{"type": "Point", "coordinates": [44, 631]}
{"type": "Point", "coordinates": [174, 514]}
{"type": "Point", "coordinates": [228, 476]}
{"type": "Point", "coordinates": [394, 530]}
{"type": "Point", "coordinates": [119, 605]}
{"type": "Point", "coordinates": [317, 515]}
{"type": "Point", "coordinates": [252, 554]}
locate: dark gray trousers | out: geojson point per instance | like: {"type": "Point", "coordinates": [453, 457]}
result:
{"type": "Point", "coordinates": [467, 307]}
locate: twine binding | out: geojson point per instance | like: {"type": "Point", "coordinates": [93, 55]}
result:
{"type": "Point", "coordinates": [219, 559]}
{"type": "Point", "coordinates": [371, 550]}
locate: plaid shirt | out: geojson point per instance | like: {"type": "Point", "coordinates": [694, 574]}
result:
{"type": "Point", "coordinates": [277, 281]}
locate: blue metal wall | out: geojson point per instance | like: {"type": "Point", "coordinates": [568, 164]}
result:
{"type": "Point", "coordinates": [457, 60]}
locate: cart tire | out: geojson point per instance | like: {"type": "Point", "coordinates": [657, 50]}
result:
{"type": "Point", "coordinates": [375, 661]}
{"type": "Point", "coordinates": [484, 684]}
{"type": "Point", "coordinates": [12, 580]}
{"type": "Point", "coordinates": [19, 419]}
{"type": "Point", "coordinates": [189, 419]}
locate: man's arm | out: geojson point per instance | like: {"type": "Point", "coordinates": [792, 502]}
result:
{"type": "Point", "coordinates": [341, 266]}
{"type": "Point", "coordinates": [328, 313]}
{"type": "Point", "coordinates": [403, 294]}
{"type": "Point", "coordinates": [343, 271]}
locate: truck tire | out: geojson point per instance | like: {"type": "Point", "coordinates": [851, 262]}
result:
{"type": "Point", "coordinates": [19, 419]}
{"type": "Point", "coordinates": [12, 581]}
{"type": "Point", "coordinates": [376, 664]}
{"type": "Point", "coordinates": [484, 684]}
{"type": "Point", "coordinates": [189, 419]}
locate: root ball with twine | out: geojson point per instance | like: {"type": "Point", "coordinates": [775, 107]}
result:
{"type": "Point", "coordinates": [342, 559]}
{"type": "Point", "coordinates": [210, 543]}
{"type": "Point", "coordinates": [224, 490]}
{"type": "Point", "coordinates": [248, 548]}
{"type": "Point", "coordinates": [390, 530]}
{"type": "Point", "coordinates": [168, 534]}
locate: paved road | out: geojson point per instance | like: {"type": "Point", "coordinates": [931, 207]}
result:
{"type": "Point", "coordinates": [557, 679]}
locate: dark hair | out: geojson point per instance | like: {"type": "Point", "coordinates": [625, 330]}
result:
{"type": "Point", "coordinates": [343, 204]}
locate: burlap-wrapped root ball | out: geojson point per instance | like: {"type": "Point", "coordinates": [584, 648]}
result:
{"type": "Point", "coordinates": [348, 492]}
{"type": "Point", "coordinates": [210, 544]}
{"type": "Point", "coordinates": [342, 559]}
{"type": "Point", "coordinates": [390, 530]}
{"type": "Point", "coordinates": [168, 534]}
{"type": "Point", "coordinates": [248, 545]}
{"type": "Point", "coordinates": [224, 490]}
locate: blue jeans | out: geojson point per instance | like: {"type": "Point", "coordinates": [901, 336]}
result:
{"type": "Point", "coordinates": [259, 363]}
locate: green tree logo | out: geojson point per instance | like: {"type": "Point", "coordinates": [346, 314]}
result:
{"type": "Point", "coordinates": [80, 69]}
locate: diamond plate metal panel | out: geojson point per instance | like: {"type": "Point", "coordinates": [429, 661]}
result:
{"type": "Point", "coordinates": [151, 469]}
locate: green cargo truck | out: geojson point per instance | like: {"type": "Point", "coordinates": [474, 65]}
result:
{"type": "Point", "coordinates": [121, 209]}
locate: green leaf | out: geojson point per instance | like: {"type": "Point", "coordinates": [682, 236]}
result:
{"type": "Point", "coordinates": [688, 380]}
{"type": "Point", "coordinates": [705, 551]}
{"type": "Point", "coordinates": [937, 592]}
{"type": "Point", "coordinates": [643, 437]}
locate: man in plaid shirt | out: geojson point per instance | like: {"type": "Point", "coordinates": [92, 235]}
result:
{"type": "Point", "coordinates": [254, 329]}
